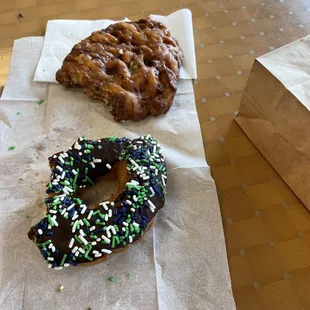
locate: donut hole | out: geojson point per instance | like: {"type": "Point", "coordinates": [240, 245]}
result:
{"type": "Point", "coordinates": [107, 187]}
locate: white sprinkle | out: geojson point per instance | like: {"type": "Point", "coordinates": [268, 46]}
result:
{"type": "Point", "coordinates": [152, 191]}
{"type": "Point", "coordinates": [49, 226]}
{"type": "Point", "coordinates": [129, 202]}
{"type": "Point", "coordinates": [50, 245]}
{"type": "Point", "coordinates": [71, 206]}
{"type": "Point", "coordinates": [134, 182]}
{"type": "Point", "coordinates": [54, 156]}
{"type": "Point", "coordinates": [135, 224]}
{"type": "Point", "coordinates": [163, 180]}
{"type": "Point", "coordinates": [66, 214]}
{"type": "Point", "coordinates": [55, 182]}
{"type": "Point", "coordinates": [54, 220]}
{"type": "Point", "coordinates": [75, 216]}
{"type": "Point", "coordinates": [52, 211]}
{"type": "Point", "coordinates": [59, 168]}
{"type": "Point", "coordinates": [135, 198]}
{"type": "Point", "coordinates": [113, 230]}
{"type": "Point", "coordinates": [90, 214]}
{"type": "Point", "coordinates": [156, 172]}
{"type": "Point", "coordinates": [40, 232]}
{"type": "Point", "coordinates": [84, 208]}
{"type": "Point", "coordinates": [108, 166]}
{"type": "Point", "coordinates": [130, 239]}
{"type": "Point", "coordinates": [148, 137]}
{"type": "Point", "coordinates": [53, 249]}
{"type": "Point", "coordinates": [132, 210]}
{"type": "Point", "coordinates": [106, 217]}
{"type": "Point", "coordinates": [50, 258]}
{"type": "Point", "coordinates": [153, 142]}
{"type": "Point", "coordinates": [66, 182]}
{"type": "Point", "coordinates": [58, 268]}
{"type": "Point", "coordinates": [98, 239]}
{"type": "Point", "coordinates": [98, 255]}
{"type": "Point", "coordinates": [66, 265]}
{"type": "Point", "coordinates": [81, 222]}
{"type": "Point", "coordinates": [61, 159]}
{"type": "Point", "coordinates": [139, 142]}
{"type": "Point", "coordinates": [110, 213]}
{"type": "Point", "coordinates": [151, 204]}
{"type": "Point", "coordinates": [104, 204]}
{"type": "Point", "coordinates": [63, 211]}
{"type": "Point", "coordinates": [82, 232]}
{"type": "Point", "coordinates": [104, 238]}
{"type": "Point", "coordinates": [164, 176]}
{"type": "Point", "coordinates": [95, 252]}
{"type": "Point", "coordinates": [65, 191]}
{"type": "Point", "coordinates": [99, 140]}
{"type": "Point", "coordinates": [123, 229]}
{"type": "Point", "coordinates": [81, 251]}
{"type": "Point", "coordinates": [146, 178]}
{"type": "Point", "coordinates": [49, 265]}
{"type": "Point", "coordinates": [71, 243]}
{"type": "Point", "coordinates": [106, 251]}
{"type": "Point", "coordinates": [154, 149]}
{"type": "Point", "coordinates": [66, 155]}
{"type": "Point", "coordinates": [74, 226]}
{"type": "Point", "coordinates": [68, 189]}
{"type": "Point", "coordinates": [77, 253]}
{"type": "Point", "coordinates": [92, 228]}
{"type": "Point", "coordinates": [75, 249]}
{"type": "Point", "coordinates": [125, 224]}
{"type": "Point", "coordinates": [83, 240]}
{"type": "Point", "coordinates": [93, 243]}
{"type": "Point", "coordinates": [121, 51]}
{"type": "Point", "coordinates": [77, 146]}
{"type": "Point", "coordinates": [74, 171]}
{"type": "Point", "coordinates": [112, 204]}
{"type": "Point", "coordinates": [92, 164]}
{"type": "Point", "coordinates": [108, 232]}
{"type": "Point", "coordinates": [152, 167]}
{"type": "Point", "coordinates": [97, 160]}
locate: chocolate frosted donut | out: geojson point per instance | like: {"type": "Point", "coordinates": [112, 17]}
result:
{"type": "Point", "coordinates": [73, 233]}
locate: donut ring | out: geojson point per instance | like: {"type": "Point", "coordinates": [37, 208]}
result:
{"type": "Point", "coordinates": [72, 233]}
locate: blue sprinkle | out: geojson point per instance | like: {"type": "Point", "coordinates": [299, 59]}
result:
{"type": "Point", "coordinates": [98, 231]}
{"type": "Point", "coordinates": [73, 263]}
{"type": "Point", "coordinates": [56, 252]}
{"type": "Point", "coordinates": [49, 233]}
{"type": "Point", "coordinates": [87, 230]}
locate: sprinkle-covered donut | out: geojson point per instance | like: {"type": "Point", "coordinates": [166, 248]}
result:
{"type": "Point", "coordinates": [73, 233]}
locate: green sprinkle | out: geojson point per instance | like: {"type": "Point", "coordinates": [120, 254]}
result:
{"type": "Point", "coordinates": [124, 243]}
{"type": "Point", "coordinates": [85, 221]}
{"type": "Point", "coordinates": [28, 216]}
{"type": "Point", "coordinates": [111, 279]}
{"type": "Point", "coordinates": [18, 113]}
{"type": "Point", "coordinates": [117, 240]}
{"type": "Point", "coordinates": [113, 242]}
{"type": "Point", "coordinates": [84, 161]}
{"type": "Point", "coordinates": [63, 259]}
{"type": "Point", "coordinates": [129, 275]}
{"type": "Point", "coordinates": [99, 147]}
{"type": "Point", "coordinates": [40, 101]}
{"type": "Point", "coordinates": [75, 178]}
{"type": "Point", "coordinates": [11, 148]}
{"type": "Point", "coordinates": [47, 242]}
{"type": "Point", "coordinates": [78, 239]}
{"type": "Point", "coordinates": [50, 220]}
{"type": "Point", "coordinates": [89, 180]}
{"type": "Point", "coordinates": [87, 257]}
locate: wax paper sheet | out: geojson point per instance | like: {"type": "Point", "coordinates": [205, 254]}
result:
{"type": "Point", "coordinates": [180, 263]}
{"type": "Point", "coordinates": [62, 35]}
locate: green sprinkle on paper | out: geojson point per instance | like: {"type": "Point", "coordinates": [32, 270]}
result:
{"type": "Point", "coordinates": [28, 216]}
{"type": "Point", "coordinates": [40, 101]}
{"type": "Point", "coordinates": [129, 275]}
{"type": "Point", "coordinates": [111, 279]}
{"type": "Point", "coordinates": [18, 113]}
{"type": "Point", "coordinates": [11, 148]}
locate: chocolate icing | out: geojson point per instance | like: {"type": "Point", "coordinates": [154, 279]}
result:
{"type": "Point", "coordinates": [72, 233]}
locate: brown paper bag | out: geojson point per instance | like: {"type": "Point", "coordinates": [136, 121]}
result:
{"type": "Point", "coordinates": [279, 126]}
